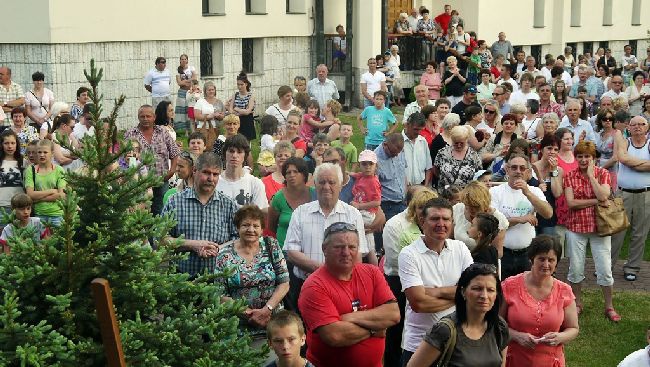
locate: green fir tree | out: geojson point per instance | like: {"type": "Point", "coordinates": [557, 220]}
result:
{"type": "Point", "coordinates": [47, 316]}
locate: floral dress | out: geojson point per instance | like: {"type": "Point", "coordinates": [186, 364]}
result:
{"type": "Point", "coordinates": [254, 281]}
{"type": "Point", "coordinates": [452, 171]}
{"type": "Point", "coordinates": [25, 136]}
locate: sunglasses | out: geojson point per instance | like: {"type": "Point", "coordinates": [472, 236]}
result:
{"type": "Point", "coordinates": [607, 119]}
{"type": "Point", "coordinates": [338, 227]}
{"type": "Point", "coordinates": [497, 94]}
{"type": "Point", "coordinates": [490, 111]}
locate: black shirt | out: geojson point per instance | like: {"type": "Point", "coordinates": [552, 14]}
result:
{"type": "Point", "coordinates": [460, 107]}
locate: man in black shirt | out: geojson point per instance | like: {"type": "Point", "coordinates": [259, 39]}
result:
{"type": "Point", "coordinates": [469, 99]}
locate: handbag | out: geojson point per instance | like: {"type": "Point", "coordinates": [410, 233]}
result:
{"type": "Point", "coordinates": [611, 219]}
{"type": "Point", "coordinates": [450, 345]}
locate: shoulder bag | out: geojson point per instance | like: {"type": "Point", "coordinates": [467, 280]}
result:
{"type": "Point", "coordinates": [450, 345]}
{"type": "Point", "coordinates": [611, 219]}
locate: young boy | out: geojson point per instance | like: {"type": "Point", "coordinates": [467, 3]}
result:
{"type": "Point", "coordinates": [197, 144]}
{"type": "Point", "coordinates": [286, 335]}
{"type": "Point", "coordinates": [473, 67]}
{"type": "Point", "coordinates": [366, 191]}
{"type": "Point", "coordinates": [347, 146]}
{"type": "Point", "coordinates": [321, 143]}
{"type": "Point", "coordinates": [21, 205]}
{"type": "Point", "coordinates": [377, 118]}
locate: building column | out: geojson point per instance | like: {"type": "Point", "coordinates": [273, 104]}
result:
{"type": "Point", "coordinates": [367, 39]}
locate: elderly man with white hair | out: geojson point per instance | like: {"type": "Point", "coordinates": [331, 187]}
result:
{"type": "Point", "coordinates": [581, 129]}
{"type": "Point", "coordinates": [321, 88]}
{"type": "Point", "coordinates": [308, 222]}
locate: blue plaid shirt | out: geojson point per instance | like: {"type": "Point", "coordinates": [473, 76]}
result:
{"type": "Point", "coordinates": [195, 221]}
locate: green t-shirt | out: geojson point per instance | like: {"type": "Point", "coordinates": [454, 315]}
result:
{"type": "Point", "coordinates": [351, 155]}
{"type": "Point", "coordinates": [279, 203]}
{"type": "Point", "coordinates": [53, 180]}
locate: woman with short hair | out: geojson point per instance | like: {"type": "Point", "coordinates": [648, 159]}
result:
{"type": "Point", "coordinates": [281, 109]}
{"type": "Point", "coordinates": [209, 112]}
{"type": "Point", "coordinates": [39, 101]}
{"type": "Point", "coordinates": [497, 147]}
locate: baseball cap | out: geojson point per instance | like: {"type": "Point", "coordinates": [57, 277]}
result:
{"type": "Point", "coordinates": [469, 89]}
{"type": "Point", "coordinates": [368, 156]}
{"type": "Point", "coordinates": [480, 173]}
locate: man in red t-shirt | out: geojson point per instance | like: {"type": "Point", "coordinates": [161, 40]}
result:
{"type": "Point", "coordinates": [444, 19]}
{"type": "Point", "coordinates": [346, 306]}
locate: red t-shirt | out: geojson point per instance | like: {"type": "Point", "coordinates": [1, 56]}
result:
{"type": "Point", "coordinates": [443, 19]}
{"type": "Point", "coordinates": [428, 135]}
{"type": "Point", "coordinates": [299, 143]}
{"type": "Point", "coordinates": [323, 299]}
{"type": "Point", "coordinates": [366, 189]}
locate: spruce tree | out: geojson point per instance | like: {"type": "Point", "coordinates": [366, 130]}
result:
{"type": "Point", "coordinates": [47, 317]}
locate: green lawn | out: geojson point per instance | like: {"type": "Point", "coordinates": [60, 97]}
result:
{"type": "Point", "coordinates": [602, 343]}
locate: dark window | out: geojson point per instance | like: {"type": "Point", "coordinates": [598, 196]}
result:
{"type": "Point", "coordinates": [205, 57]}
{"type": "Point", "coordinates": [633, 44]}
{"type": "Point", "coordinates": [248, 6]}
{"type": "Point", "coordinates": [603, 44]}
{"type": "Point", "coordinates": [574, 49]}
{"type": "Point", "coordinates": [247, 54]}
{"type": "Point", "coordinates": [205, 6]}
{"type": "Point", "coordinates": [288, 6]}
{"type": "Point", "coordinates": [588, 47]}
{"type": "Point", "coordinates": [536, 52]}
{"type": "Point", "coordinates": [517, 49]}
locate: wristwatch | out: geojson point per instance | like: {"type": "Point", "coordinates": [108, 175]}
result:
{"type": "Point", "coordinates": [269, 307]}
{"type": "Point", "coordinates": [555, 173]}
{"type": "Point", "coordinates": [372, 332]}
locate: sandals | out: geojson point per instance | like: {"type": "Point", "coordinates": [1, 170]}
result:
{"type": "Point", "coordinates": [612, 315]}
{"type": "Point", "coordinates": [630, 277]}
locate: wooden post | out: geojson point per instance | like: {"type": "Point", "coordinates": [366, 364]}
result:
{"type": "Point", "coordinates": [108, 323]}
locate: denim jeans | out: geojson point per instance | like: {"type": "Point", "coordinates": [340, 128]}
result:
{"type": "Point", "coordinates": [406, 357]}
{"type": "Point", "coordinates": [157, 200]}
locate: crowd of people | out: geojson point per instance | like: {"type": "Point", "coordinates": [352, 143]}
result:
{"type": "Point", "coordinates": [438, 241]}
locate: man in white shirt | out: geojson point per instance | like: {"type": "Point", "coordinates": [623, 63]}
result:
{"type": "Point", "coordinates": [640, 358]}
{"type": "Point", "coordinates": [616, 82]}
{"type": "Point", "coordinates": [413, 19]}
{"type": "Point", "coordinates": [566, 77]}
{"type": "Point", "coordinates": [416, 151]}
{"type": "Point", "coordinates": [518, 202]}
{"type": "Point", "coordinates": [429, 269]}
{"type": "Point", "coordinates": [525, 92]}
{"type": "Point", "coordinates": [371, 81]}
{"type": "Point", "coordinates": [84, 127]}
{"type": "Point", "coordinates": [629, 63]}
{"type": "Point", "coordinates": [321, 88]}
{"type": "Point", "coordinates": [158, 82]}
{"type": "Point", "coordinates": [506, 72]}
{"type": "Point", "coordinates": [237, 183]}
{"type": "Point", "coordinates": [421, 100]}
{"type": "Point", "coordinates": [529, 68]}
{"type": "Point", "coordinates": [581, 129]}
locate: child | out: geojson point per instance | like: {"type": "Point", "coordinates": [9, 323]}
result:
{"type": "Point", "coordinates": [367, 191]}
{"type": "Point", "coordinates": [350, 150]}
{"type": "Point", "coordinates": [484, 229]}
{"type": "Point", "coordinates": [301, 100]}
{"type": "Point", "coordinates": [31, 152]}
{"type": "Point", "coordinates": [21, 206]}
{"type": "Point", "coordinates": [45, 184]}
{"type": "Point", "coordinates": [473, 67]}
{"type": "Point", "coordinates": [451, 193]}
{"type": "Point", "coordinates": [321, 143]}
{"type": "Point", "coordinates": [193, 95]}
{"type": "Point", "coordinates": [483, 176]}
{"type": "Point", "coordinates": [330, 113]}
{"type": "Point", "coordinates": [377, 118]}
{"type": "Point", "coordinates": [310, 121]}
{"type": "Point", "coordinates": [269, 132]}
{"type": "Point", "coordinates": [286, 335]}
{"type": "Point", "coordinates": [441, 43]}
{"type": "Point", "coordinates": [299, 85]}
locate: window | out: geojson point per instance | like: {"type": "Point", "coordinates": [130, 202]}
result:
{"type": "Point", "coordinates": [296, 6]}
{"type": "Point", "coordinates": [211, 57]}
{"type": "Point", "coordinates": [607, 12]}
{"type": "Point", "coordinates": [636, 12]}
{"type": "Point", "coordinates": [576, 11]}
{"type": "Point", "coordinates": [214, 7]}
{"type": "Point", "coordinates": [574, 49]}
{"type": "Point", "coordinates": [255, 6]}
{"type": "Point", "coordinates": [538, 13]}
{"type": "Point", "coordinates": [536, 52]}
{"type": "Point", "coordinates": [633, 44]}
{"type": "Point", "coordinates": [252, 55]}
{"type": "Point", "coordinates": [588, 47]}
{"type": "Point", "coordinates": [603, 44]}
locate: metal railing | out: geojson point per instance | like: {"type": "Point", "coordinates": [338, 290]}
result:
{"type": "Point", "coordinates": [335, 52]}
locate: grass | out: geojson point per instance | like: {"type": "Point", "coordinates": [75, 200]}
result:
{"type": "Point", "coordinates": [602, 342]}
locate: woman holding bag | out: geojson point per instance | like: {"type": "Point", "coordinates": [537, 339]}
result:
{"type": "Point", "coordinates": [481, 334]}
{"type": "Point", "coordinates": [585, 188]}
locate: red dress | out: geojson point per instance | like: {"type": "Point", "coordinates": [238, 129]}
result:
{"type": "Point", "coordinates": [528, 315]}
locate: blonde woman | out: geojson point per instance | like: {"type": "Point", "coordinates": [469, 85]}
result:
{"type": "Point", "coordinates": [456, 164]}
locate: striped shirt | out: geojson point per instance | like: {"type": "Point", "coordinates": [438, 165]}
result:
{"type": "Point", "coordinates": [195, 221]}
{"type": "Point", "coordinates": [307, 230]}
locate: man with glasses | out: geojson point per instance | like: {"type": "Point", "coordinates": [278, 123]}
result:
{"type": "Point", "coordinates": [633, 180]}
{"type": "Point", "coordinates": [429, 270]}
{"type": "Point", "coordinates": [500, 96]}
{"type": "Point", "coordinates": [581, 129]}
{"type": "Point", "coordinates": [617, 88]}
{"type": "Point", "coordinates": [308, 223]}
{"type": "Point", "coordinates": [518, 202]}
{"type": "Point", "coordinates": [546, 104]}
{"type": "Point", "coordinates": [158, 82]}
{"type": "Point", "coordinates": [347, 306]}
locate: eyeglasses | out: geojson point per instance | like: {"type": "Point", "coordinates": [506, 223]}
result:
{"type": "Point", "coordinates": [497, 94]}
{"type": "Point", "coordinates": [338, 227]}
{"type": "Point", "coordinates": [490, 111]}
{"type": "Point", "coordinates": [637, 124]}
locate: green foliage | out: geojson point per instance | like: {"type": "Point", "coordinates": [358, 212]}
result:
{"type": "Point", "coordinates": [47, 316]}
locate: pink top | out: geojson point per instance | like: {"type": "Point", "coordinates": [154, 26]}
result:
{"type": "Point", "coordinates": [561, 206]}
{"type": "Point", "coordinates": [432, 80]}
{"type": "Point", "coordinates": [528, 315]}
{"type": "Point", "coordinates": [307, 130]}
{"type": "Point", "coordinates": [367, 189]}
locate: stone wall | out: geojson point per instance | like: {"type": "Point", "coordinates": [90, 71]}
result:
{"type": "Point", "coordinates": [125, 64]}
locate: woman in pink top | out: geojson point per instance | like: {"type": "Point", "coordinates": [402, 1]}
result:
{"type": "Point", "coordinates": [540, 310]}
{"type": "Point", "coordinates": [432, 80]}
{"type": "Point", "coordinates": [568, 163]}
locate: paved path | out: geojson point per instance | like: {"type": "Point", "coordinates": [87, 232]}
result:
{"type": "Point", "coordinates": [642, 283]}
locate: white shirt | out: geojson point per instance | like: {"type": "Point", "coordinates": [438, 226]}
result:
{"type": "Point", "coordinates": [530, 127]}
{"type": "Point", "coordinates": [373, 81]}
{"type": "Point", "coordinates": [414, 107]}
{"type": "Point", "coordinates": [160, 82]}
{"type": "Point", "coordinates": [566, 78]}
{"type": "Point", "coordinates": [512, 81]}
{"type": "Point", "coordinates": [248, 189]}
{"type": "Point", "coordinates": [418, 159]}
{"type": "Point", "coordinates": [512, 203]}
{"type": "Point", "coordinates": [280, 114]}
{"type": "Point", "coordinates": [420, 266]}
{"type": "Point", "coordinates": [462, 225]}
{"type": "Point", "coordinates": [307, 230]}
{"type": "Point", "coordinates": [398, 233]}
{"type": "Point", "coordinates": [521, 97]}
{"type": "Point", "coordinates": [613, 95]}
{"type": "Point", "coordinates": [80, 130]}
{"type": "Point", "coordinates": [485, 127]}
{"type": "Point", "coordinates": [546, 72]}
{"type": "Point", "coordinates": [640, 358]}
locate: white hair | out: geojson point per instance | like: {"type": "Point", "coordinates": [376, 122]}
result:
{"type": "Point", "coordinates": [59, 107]}
{"type": "Point", "coordinates": [328, 167]}
{"type": "Point", "coordinates": [450, 120]}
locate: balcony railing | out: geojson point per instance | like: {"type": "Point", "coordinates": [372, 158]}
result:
{"type": "Point", "coordinates": [335, 52]}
